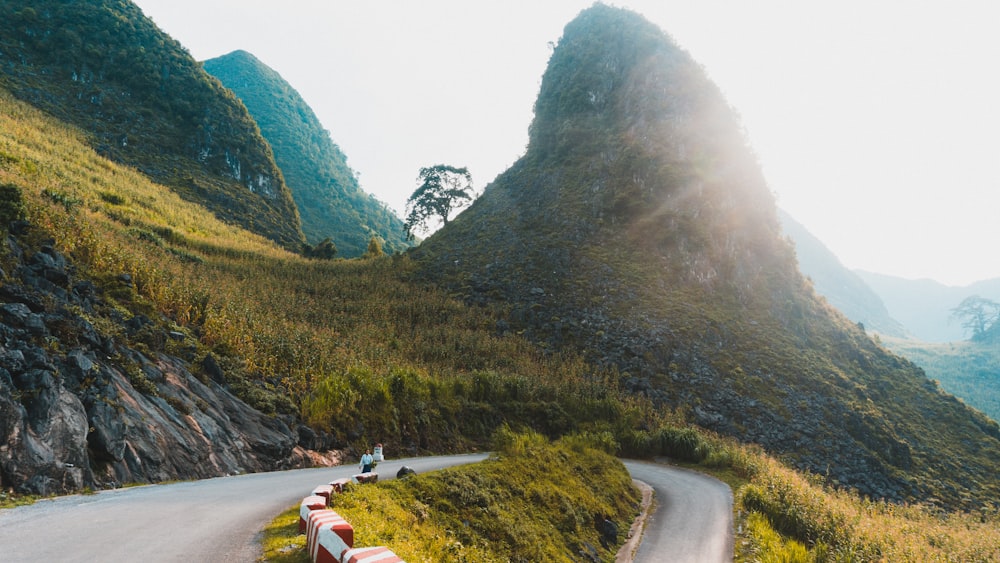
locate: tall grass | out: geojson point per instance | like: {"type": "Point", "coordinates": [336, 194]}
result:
{"type": "Point", "coordinates": [353, 346]}
{"type": "Point", "coordinates": [789, 516]}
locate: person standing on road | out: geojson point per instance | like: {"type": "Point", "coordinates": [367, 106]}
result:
{"type": "Point", "coordinates": [366, 462]}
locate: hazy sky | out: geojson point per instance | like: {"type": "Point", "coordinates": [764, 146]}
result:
{"type": "Point", "coordinates": [877, 122]}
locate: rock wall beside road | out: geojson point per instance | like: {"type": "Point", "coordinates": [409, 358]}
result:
{"type": "Point", "coordinates": [80, 408]}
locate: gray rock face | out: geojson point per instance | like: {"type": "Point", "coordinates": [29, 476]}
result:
{"type": "Point", "coordinates": [71, 416]}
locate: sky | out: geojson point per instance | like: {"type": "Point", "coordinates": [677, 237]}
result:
{"type": "Point", "coordinates": [877, 123]}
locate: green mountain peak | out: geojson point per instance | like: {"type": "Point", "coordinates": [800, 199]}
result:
{"type": "Point", "coordinates": [638, 229]}
{"type": "Point", "coordinates": [326, 190]}
{"type": "Point", "coordinates": [143, 101]}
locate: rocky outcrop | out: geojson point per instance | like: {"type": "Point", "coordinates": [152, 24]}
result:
{"type": "Point", "coordinates": [81, 409]}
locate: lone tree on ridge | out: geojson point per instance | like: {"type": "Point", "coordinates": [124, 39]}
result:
{"type": "Point", "coordinates": [978, 315]}
{"type": "Point", "coordinates": [443, 190]}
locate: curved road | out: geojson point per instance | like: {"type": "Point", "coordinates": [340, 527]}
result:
{"type": "Point", "coordinates": [693, 520]}
{"type": "Point", "coordinates": [219, 519]}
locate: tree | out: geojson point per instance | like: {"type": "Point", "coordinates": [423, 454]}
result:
{"type": "Point", "coordinates": [978, 315]}
{"type": "Point", "coordinates": [443, 190]}
{"type": "Point", "coordinates": [324, 250]}
{"type": "Point", "coordinates": [374, 249]}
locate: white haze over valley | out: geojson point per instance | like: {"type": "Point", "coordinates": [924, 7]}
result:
{"type": "Point", "coordinates": [877, 123]}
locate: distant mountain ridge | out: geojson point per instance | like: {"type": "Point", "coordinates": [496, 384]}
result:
{"type": "Point", "coordinates": [845, 290]}
{"type": "Point", "coordinates": [144, 101]}
{"type": "Point", "coordinates": [330, 201]}
{"type": "Point", "coordinates": [638, 230]}
{"type": "Point", "coordinates": [924, 306]}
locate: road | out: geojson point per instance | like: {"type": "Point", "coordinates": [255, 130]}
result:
{"type": "Point", "coordinates": [219, 519]}
{"type": "Point", "coordinates": [693, 520]}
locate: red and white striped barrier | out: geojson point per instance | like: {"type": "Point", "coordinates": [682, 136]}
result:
{"type": "Point", "coordinates": [309, 504]}
{"type": "Point", "coordinates": [325, 491]}
{"type": "Point", "coordinates": [370, 555]}
{"type": "Point", "coordinates": [320, 519]}
{"type": "Point", "coordinates": [330, 538]}
{"type": "Point", "coordinates": [329, 546]}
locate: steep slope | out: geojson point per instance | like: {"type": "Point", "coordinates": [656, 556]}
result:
{"type": "Point", "coordinates": [143, 101]}
{"type": "Point", "coordinates": [924, 306]}
{"type": "Point", "coordinates": [843, 288]}
{"type": "Point", "coordinates": [98, 388]}
{"type": "Point", "coordinates": [326, 190]}
{"type": "Point", "coordinates": [638, 229]}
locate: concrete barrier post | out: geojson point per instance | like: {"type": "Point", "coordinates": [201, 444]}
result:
{"type": "Point", "coordinates": [329, 546]}
{"type": "Point", "coordinates": [325, 491]}
{"type": "Point", "coordinates": [339, 484]}
{"type": "Point", "coordinates": [308, 505]}
{"type": "Point", "coordinates": [370, 555]}
{"type": "Point", "coordinates": [319, 519]}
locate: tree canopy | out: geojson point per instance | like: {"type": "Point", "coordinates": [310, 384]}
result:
{"type": "Point", "coordinates": [978, 315]}
{"type": "Point", "coordinates": [443, 190]}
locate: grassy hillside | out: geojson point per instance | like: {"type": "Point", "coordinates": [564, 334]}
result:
{"type": "Point", "coordinates": [142, 100]}
{"type": "Point", "coordinates": [358, 347]}
{"type": "Point", "coordinates": [967, 369]}
{"type": "Point", "coordinates": [326, 190]}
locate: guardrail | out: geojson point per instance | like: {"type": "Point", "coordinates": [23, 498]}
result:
{"type": "Point", "coordinates": [330, 538]}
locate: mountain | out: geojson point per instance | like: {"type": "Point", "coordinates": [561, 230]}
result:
{"type": "Point", "coordinates": [326, 190]}
{"type": "Point", "coordinates": [843, 288]}
{"type": "Point", "coordinates": [143, 101]}
{"type": "Point", "coordinates": [924, 306]}
{"type": "Point", "coordinates": [967, 369]}
{"type": "Point", "coordinates": [638, 230]}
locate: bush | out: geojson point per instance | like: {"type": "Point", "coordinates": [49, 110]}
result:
{"type": "Point", "coordinates": [11, 204]}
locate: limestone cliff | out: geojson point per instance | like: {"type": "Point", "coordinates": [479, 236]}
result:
{"type": "Point", "coordinates": [81, 407]}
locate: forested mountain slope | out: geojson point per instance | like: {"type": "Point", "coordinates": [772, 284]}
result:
{"type": "Point", "coordinates": [638, 229]}
{"type": "Point", "coordinates": [326, 190]}
{"type": "Point", "coordinates": [144, 101]}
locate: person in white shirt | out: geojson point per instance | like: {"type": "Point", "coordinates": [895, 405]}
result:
{"type": "Point", "coordinates": [366, 462]}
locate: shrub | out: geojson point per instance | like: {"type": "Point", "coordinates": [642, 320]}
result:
{"type": "Point", "coordinates": [11, 204]}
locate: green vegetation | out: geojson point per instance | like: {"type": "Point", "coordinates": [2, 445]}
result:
{"type": "Point", "coordinates": [281, 541]}
{"type": "Point", "coordinates": [789, 512]}
{"type": "Point", "coordinates": [140, 99]}
{"type": "Point", "coordinates": [12, 500]}
{"type": "Point", "coordinates": [979, 317]}
{"type": "Point", "coordinates": [531, 501]}
{"type": "Point", "coordinates": [326, 190]}
{"type": "Point", "coordinates": [443, 191]}
{"type": "Point", "coordinates": [969, 369]}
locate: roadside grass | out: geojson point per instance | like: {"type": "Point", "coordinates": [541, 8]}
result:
{"type": "Point", "coordinates": [839, 525]}
{"type": "Point", "coordinates": [281, 541]}
{"type": "Point", "coordinates": [533, 500]}
{"type": "Point", "coordinates": [10, 499]}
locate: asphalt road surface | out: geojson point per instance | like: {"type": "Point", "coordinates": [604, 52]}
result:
{"type": "Point", "coordinates": [693, 520]}
{"type": "Point", "coordinates": [220, 519]}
